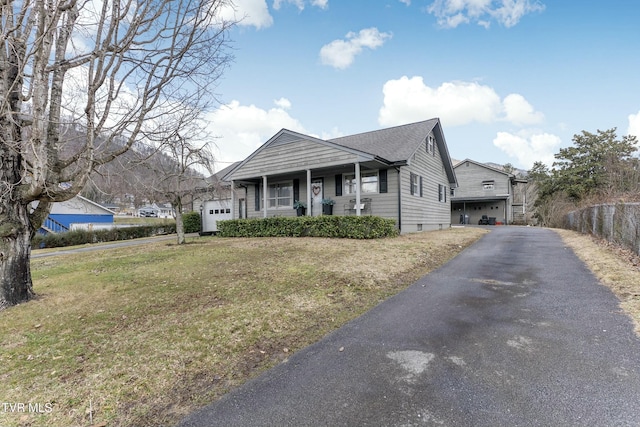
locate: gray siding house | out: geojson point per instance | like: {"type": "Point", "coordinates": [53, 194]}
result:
{"type": "Point", "coordinates": [485, 190]}
{"type": "Point", "coordinates": [403, 173]}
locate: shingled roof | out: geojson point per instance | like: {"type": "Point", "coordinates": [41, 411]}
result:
{"type": "Point", "coordinates": [392, 146]}
{"type": "Point", "coordinates": [395, 144]}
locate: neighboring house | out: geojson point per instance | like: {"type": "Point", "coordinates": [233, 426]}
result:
{"type": "Point", "coordinates": [157, 211]}
{"type": "Point", "coordinates": [403, 173]}
{"type": "Point", "coordinates": [485, 190]}
{"type": "Point", "coordinates": [78, 210]}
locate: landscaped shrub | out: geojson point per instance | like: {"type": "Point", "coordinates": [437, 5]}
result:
{"type": "Point", "coordinates": [353, 227]}
{"type": "Point", "coordinates": [191, 222]}
{"type": "Point", "coordinates": [81, 237]}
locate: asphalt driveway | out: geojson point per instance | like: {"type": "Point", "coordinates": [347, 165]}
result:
{"type": "Point", "coordinates": [515, 331]}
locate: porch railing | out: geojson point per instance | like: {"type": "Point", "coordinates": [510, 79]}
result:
{"type": "Point", "coordinates": [52, 226]}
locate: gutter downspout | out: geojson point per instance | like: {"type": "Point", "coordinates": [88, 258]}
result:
{"type": "Point", "coordinates": [399, 200]}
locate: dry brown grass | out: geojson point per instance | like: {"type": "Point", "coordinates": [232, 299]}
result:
{"type": "Point", "coordinates": [615, 267]}
{"type": "Point", "coordinates": [142, 336]}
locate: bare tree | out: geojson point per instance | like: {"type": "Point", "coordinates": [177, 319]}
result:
{"type": "Point", "coordinates": [176, 168]}
{"type": "Point", "coordinates": [80, 84]}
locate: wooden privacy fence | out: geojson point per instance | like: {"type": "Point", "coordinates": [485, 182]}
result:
{"type": "Point", "coordinates": [618, 223]}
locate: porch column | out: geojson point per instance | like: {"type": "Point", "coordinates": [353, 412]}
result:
{"type": "Point", "coordinates": [358, 210]}
{"type": "Point", "coordinates": [265, 196]}
{"type": "Point", "coordinates": [308, 212]}
{"type": "Point", "coordinates": [233, 201]}
{"type": "Point", "coordinates": [464, 213]}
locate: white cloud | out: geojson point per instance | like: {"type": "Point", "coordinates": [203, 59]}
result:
{"type": "Point", "coordinates": [451, 13]}
{"type": "Point", "coordinates": [634, 125]}
{"type": "Point", "coordinates": [341, 53]}
{"type": "Point", "coordinates": [407, 2]}
{"type": "Point", "coordinates": [455, 103]}
{"type": "Point", "coordinates": [283, 103]}
{"type": "Point", "coordinates": [248, 12]}
{"type": "Point", "coordinates": [528, 147]}
{"type": "Point", "coordinates": [241, 129]}
{"type": "Point", "coordinates": [520, 112]}
{"type": "Point", "coordinates": [409, 99]}
{"type": "Point", "coordinates": [322, 4]}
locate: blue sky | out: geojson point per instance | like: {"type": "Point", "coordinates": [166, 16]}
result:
{"type": "Point", "coordinates": [511, 80]}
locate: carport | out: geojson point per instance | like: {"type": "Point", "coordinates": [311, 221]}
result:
{"type": "Point", "coordinates": [470, 210]}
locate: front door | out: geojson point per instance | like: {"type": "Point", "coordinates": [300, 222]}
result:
{"type": "Point", "coordinates": [316, 197]}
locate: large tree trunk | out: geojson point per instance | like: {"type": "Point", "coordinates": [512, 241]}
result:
{"type": "Point", "coordinates": [15, 251]}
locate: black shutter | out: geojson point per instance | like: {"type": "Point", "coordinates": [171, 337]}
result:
{"type": "Point", "coordinates": [338, 185]}
{"type": "Point", "coordinates": [420, 186]}
{"type": "Point", "coordinates": [296, 190]}
{"type": "Point", "coordinates": [257, 197]}
{"type": "Point", "coordinates": [382, 176]}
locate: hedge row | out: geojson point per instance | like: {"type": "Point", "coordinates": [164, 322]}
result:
{"type": "Point", "coordinates": [353, 227]}
{"type": "Point", "coordinates": [81, 237]}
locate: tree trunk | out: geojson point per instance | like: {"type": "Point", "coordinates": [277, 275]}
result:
{"type": "Point", "coordinates": [16, 228]}
{"type": "Point", "coordinates": [15, 251]}
{"type": "Point", "coordinates": [177, 206]}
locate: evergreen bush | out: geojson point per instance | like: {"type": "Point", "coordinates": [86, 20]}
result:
{"type": "Point", "coordinates": [352, 227]}
{"type": "Point", "coordinates": [191, 222]}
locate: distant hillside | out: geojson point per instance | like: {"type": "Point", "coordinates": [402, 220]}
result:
{"type": "Point", "coordinates": [128, 180]}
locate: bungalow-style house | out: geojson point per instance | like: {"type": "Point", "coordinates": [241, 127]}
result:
{"type": "Point", "coordinates": [486, 194]}
{"type": "Point", "coordinates": [78, 210]}
{"type": "Point", "coordinates": [403, 173]}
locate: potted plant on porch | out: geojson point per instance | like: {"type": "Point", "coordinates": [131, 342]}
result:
{"type": "Point", "coordinates": [327, 206]}
{"type": "Point", "coordinates": [300, 207]}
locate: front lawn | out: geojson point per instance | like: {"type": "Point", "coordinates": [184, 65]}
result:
{"type": "Point", "coordinates": [142, 336]}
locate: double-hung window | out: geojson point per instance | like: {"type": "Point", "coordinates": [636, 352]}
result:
{"type": "Point", "coordinates": [415, 184]}
{"type": "Point", "coordinates": [368, 182]}
{"type": "Point", "coordinates": [442, 193]}
{"type": "Point", "coordinates": [431, 145]}
{"type": "Point", "coordinates": [281, 195]}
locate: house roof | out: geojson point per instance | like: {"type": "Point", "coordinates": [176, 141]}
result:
{"type": "Point", "coordinates": [395, 144]}
{"type": "Point", "coordinates": [398, 144]}
{"type": "Point", "coordinates": [483, 165]}
{"type": "Point", "coordinates": [75, 203]}
{"type": "Point", "coordinates": [218, 176]}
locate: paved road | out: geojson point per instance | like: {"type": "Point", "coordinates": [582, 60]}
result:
{"type": "Point", "coordinates": [515, 331]}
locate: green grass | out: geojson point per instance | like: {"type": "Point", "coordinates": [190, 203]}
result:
{"type": "Point", "coordinates": [142, 336]}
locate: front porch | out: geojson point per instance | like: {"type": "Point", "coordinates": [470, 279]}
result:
{"type": "Point", "coordinates": [353, 189]}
